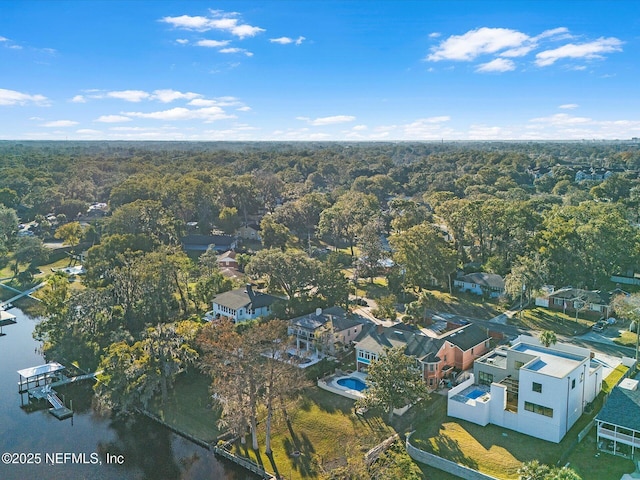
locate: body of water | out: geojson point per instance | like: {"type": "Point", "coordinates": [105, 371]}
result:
{"type": "Point", "coordinates": [34, 444]}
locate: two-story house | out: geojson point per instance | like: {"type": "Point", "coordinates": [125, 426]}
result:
{"type": "Point", "coordinates": [439, 357]}
{"type": "Point", "coordinates": [243, 304]}
{"type": "Point", "coordinates": [325, 329]}
{"type": "Point", "coordinates": [527, 387]}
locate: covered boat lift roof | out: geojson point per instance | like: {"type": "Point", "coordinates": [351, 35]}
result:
{"type": "Point", "coordinates": [47, 368]}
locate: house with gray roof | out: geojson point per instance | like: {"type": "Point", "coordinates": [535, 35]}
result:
{"type": "Point", "coordinates": [594, 303]}
{"type": "Point", "coordinates": [243, 304]}
{"type": "Point", "coordinates": [324, 330]}
{"type": "Point", "coordinates": [481, 283]}
{"type": "Point", "coordinates": [618, 423]}
{"type": "Point", "coordinates": [439, 357]}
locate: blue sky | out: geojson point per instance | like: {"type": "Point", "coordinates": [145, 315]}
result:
{"type": "Point", "coordinates": [319, 70]}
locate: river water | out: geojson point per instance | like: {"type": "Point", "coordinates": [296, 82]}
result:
{"type": "Point", "coordinates": [41, 446]}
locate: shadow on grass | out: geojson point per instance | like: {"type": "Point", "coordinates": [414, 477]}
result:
{"type": "Point", "coordinates": [326, 401]}
{"type": "Point", "coordinates": [450, 449]}
{"type": "Point", "coordinates": [301, 452]}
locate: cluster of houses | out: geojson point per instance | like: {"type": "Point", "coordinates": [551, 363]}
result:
{"type": "Point", "coordinates": [526, 386]}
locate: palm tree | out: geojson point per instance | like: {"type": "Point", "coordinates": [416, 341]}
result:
{"type": "Point", "coordinates": [548, 338]}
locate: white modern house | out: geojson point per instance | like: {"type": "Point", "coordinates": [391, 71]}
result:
{"type": "Point", "coordinates": [242, 304]}
{"type": "Point", "coordinates": [527, 387]}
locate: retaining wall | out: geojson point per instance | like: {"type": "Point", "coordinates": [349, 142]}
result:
{"type": "Point", "coordinates": [443, 464]}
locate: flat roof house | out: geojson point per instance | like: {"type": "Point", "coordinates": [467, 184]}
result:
{"type": "Point", "coordinates": [527, 387]}
{"type": "Point", "coordinates": [243, 304]}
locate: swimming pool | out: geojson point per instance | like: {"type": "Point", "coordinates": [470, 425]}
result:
{"type": "Point", "coordinates": [352, 383]}
{"type": "Point", "coordinates": [475, 394]}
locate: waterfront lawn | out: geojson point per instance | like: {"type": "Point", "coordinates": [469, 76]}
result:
{"type": "Point", "coordinates": [323, 429]}
{"type": "Point", "coordinates": [188, 407]}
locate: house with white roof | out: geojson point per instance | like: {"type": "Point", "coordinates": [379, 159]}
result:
{"type": "Point", "coordinates": [527, 387]}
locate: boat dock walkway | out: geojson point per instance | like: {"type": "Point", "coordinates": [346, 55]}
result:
{"type": "Point", "coordinates": [26, 293]}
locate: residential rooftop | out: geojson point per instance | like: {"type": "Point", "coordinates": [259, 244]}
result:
{"type": "Point", "coordinates": [549, 361]}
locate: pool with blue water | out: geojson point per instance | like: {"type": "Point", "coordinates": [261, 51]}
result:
{"type": "Point", "coordinates": [352, 383]}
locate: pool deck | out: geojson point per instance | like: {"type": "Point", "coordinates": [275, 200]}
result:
{"type": "Point", "coordinates": [463, 396]}
{"type": "Point", "coordinates": [331, 384]}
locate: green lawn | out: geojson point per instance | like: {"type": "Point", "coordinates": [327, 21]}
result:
{"type": "Point", "coordinates": [626, 339]}
{"type": "Point", "coordinates": [541, 319]}
{"type": "Point", "coordinates": [324, 430]}
{"type": "Point", "coordinates": [613, 378]}
{"type": "Point", "coordinates": [500, 452]}
{"type": "Point", "coordinates": [189, 407]}
{"type": "Point", "coordinates": [593, 465]}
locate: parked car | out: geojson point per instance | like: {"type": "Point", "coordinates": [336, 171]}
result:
{"type": "Point", "coordinates": [611, 321]}
{"type": "Point", "coordinates": [599, 326]}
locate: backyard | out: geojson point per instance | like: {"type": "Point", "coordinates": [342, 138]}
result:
{"type": "Point", "coordinates": [500, 452]}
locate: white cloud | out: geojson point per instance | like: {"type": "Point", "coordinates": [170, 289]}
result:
{"type": "Point", "coordinates": [519, 51]}
{"type": "Point", "coordinates": [202, 102]}
{"type": "Point", "coordinates": [497, 65]}
{"type": "Point", "coordinates": [187, 22]}
{"type": "Point", "coordinates": [226, 22]}
{"type": "Point", "coordinates": [435, 34]}
{"type": "Point", "coordinates": [88, 131]}
{"type": "Point", "coordinates": [112, 119]}
{"type": "Point", "coordinates": [554, 32]}
{"type": "Point", "coordinates": [129, 95]}
{"type": "Point", "coordinates": [246, 31]}
{"type": "Point", "coordinates": [484, 132]}
{"type": "Point", "coordinates": [60, 123]}
{"type": "Point", "coordinates": [207, 114]}
{"type": "Point", "coordinates": [477, 42]}
{"type": "Point", "coordinates": [321, 121]}
{"type": "Point", "coordinates": [561, 119]}
{"type": "Point", "coordinates": [244, 108]}
{"type": "Point", "coordinates": [236, 50]}
{"type": "Point", "coordinates": [288, 40]}
{"type": "Point", "coordinates": [13, 97]}
{"type": "Point", "coordinates": [79, 99]}
{"type": "Point", "coordinates": [168, 95]}
{"type": "Point", "coordinates": [4, 39]}
{"type": "Point", "coordinates": [212, 43]}
{"type": "Point", "coordinates": [182, 41]}
{"type": "Point", "coordinates": [589, 50]}
{"type": "Point", "coordinates": [568, 106]}
{"type": "Point", "coordinates": [359, 128]}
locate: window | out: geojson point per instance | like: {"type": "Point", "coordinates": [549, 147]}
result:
{"type": "Point", "coordinates": [472, 351]}
{"type": "Point", "coordinates": [485, 378]}
{"type": "Point", "coordinates": [581, 376]}
{"type": "Point", "coordinates": [539, 409]}
{"type": "Point", "coordinates": [537, 387]}
{"type": "Point", "coordinates": [431, 367]}
{"type": "Point", "coordinates": [573, 384]}
{"type": "Point", "coordinates": [445, 358]}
